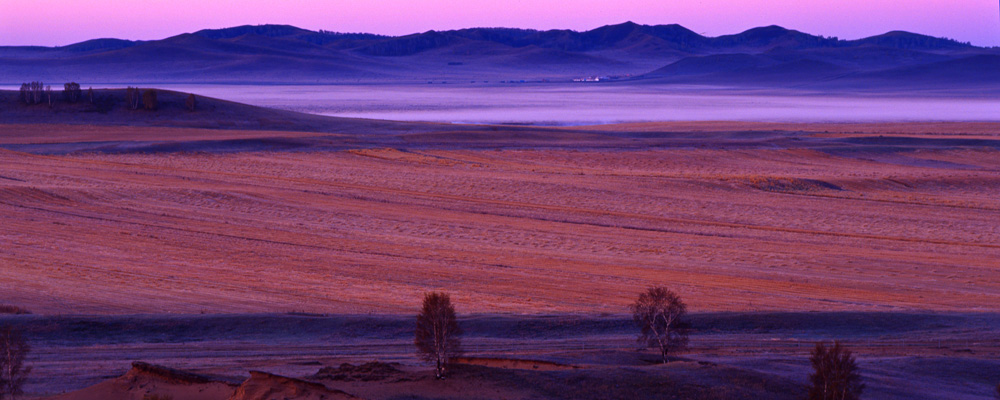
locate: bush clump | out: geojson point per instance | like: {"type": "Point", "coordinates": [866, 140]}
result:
{"type": "Point", "coordinates": [9, 309]}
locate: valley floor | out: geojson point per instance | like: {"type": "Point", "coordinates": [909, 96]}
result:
{"type": "Point", "coordinates": [755, 219]}
{"type": "Point", "coordinates": [738, 221]}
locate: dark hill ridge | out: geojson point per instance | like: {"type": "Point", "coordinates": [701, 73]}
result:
{"type": "Point", "coordinates": [264, 54]}
{"type": "Point", "coordinates": [172, 111]}
{"type": "Point", "coordinates": [910, 41]}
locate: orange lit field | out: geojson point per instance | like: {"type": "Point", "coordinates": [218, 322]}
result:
{"type": "Point", "coordinates": [732, 226]}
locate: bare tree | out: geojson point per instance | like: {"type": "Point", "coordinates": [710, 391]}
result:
{"type": "Point", "coordinates": [36, 92]}
{"type": "Point", "coordinates": [659, 313]}
{"type": "Point", "coordinates": [149, 100]}
{"type": "Point", "coordinates": [132, 98]}
{"type": "Point", "coordinates": [25, 93]}
{"type": "Point", "coordinates": [191, 102]}
{"type": "Point", "coordinates": [90, 95]}
{"type": "Point", "coordinates": [72, 92]}
{"type": "Point", "coordinates": [437, 331]}
{"type": "Point", "coordinates": [48, 94]}
{"type": "Point", "coordinates": [835, 375]}
{"type": "Point", "coordinates": [13, 350]}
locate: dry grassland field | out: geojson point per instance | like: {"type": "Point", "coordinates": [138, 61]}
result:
{"type": "Point", "coordinates": [776, 235]}
{"type": "Point", "coordinates": [506, 231]}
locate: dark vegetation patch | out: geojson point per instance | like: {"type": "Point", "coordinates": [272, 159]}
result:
{"type": "Point", "coordinates": [367, 372]}
{"type": "Point", "coordinates": [9, 309]}
{"type": "Point", "coordinates": [169, 375]}
{"type": "Point", "coordinates": [196, 328]}
{"type": "Point", "coordinates": [785, 185]}
{"type": "Point", "coordinates": [674, 381]}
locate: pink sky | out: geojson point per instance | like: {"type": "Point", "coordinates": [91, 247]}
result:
{"type": "Point", "coordinates": [61, 22]}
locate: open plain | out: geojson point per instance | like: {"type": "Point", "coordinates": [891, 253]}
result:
{"type": "Point", "coordinates": [764, 219]}
{"type": "Point", "coordinates": [220, 251]}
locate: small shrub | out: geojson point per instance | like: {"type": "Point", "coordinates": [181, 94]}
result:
{"type": "Point", "coordinates": [191, 102]}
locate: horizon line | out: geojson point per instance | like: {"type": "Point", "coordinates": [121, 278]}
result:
{"type": "Point", "coordinates": [495, 27]}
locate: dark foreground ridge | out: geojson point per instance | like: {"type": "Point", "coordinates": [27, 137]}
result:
{"type": "Point", "coordinates": [108, 108]}
{"type": "Point", "coordinates": [731, 355]}
{"type": "Point", "coordinates": [280, 54]}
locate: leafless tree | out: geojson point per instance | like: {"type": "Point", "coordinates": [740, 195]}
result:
{"type": "Point", "coordinates": [149, 100]}
{"type": "Point", "coordinates": [437, 331]}
{"type": "Point", "coordinates": [25, 93]}
{"type": "Point", "coordinates": [48, 94]}
{"type": "Point", "coordinates": [132, 98]}
{"type": "Point", "coordinates": [36, 92]}
{"type": "Point", "coordinates": [835, 375]}
{"type": "Point", "coordinates": [191, 102]}
{"type": "Point", "coordinates": [90, 95]}
{"type": "Point", "coordinates": [659, 313]}
{"type": "Point", "coordinates": [72, 92]}
{"type": "Point", "coordinates": [13, 350]}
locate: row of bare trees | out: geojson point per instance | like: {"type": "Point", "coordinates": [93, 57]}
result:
{"type": "Point", "coordinates": [659, 313]}
{"type": "Point", "coordinates": [135, 98]}
{"type": "Point", "coordinates": [38, 92]}
{"type": "Point", "coordinates": [31, 93]}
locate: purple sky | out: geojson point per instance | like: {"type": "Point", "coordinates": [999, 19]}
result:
{"type": "Point", "coordinates": [61, 22]}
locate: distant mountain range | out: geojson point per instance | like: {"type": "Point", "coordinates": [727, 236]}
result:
{"type": "Point", "coordinates": [768, 56]}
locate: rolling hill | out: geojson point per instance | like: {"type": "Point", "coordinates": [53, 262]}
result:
{"type": "Point", "coordinates": [282, 54]}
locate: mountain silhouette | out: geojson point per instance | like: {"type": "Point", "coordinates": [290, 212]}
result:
{"type": "Point", "coordinates": [764, 56]}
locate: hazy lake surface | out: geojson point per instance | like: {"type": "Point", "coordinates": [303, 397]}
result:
{"type": "Point", "coordinates": [579, 104]}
